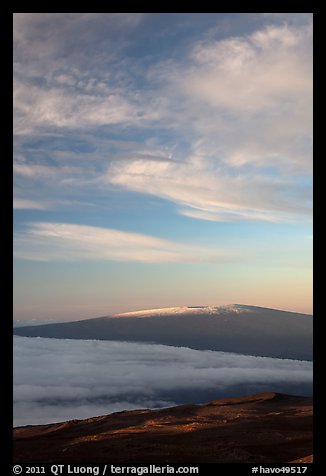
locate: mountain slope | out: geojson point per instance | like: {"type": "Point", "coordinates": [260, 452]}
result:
{"type": "Point", "coordinates": [237, 328]}
{"type": "Point", "coordinates": [262, 428]}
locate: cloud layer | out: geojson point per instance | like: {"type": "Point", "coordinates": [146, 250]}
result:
{"type": "Point", "coordinates": [56, 380]}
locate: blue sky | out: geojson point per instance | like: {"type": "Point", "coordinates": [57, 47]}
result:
{"type": "Point", "coordinates": [161, 160]}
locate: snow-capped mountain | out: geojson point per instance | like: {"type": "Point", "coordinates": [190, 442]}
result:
{"type": "Point", "coordinates": [235, 328]}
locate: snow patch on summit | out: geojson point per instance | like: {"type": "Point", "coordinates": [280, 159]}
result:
{"type": "Point", "coordinates": [168, 311]}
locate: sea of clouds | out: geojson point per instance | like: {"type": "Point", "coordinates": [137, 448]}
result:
{"type": "Point", "coordinates": [57, 380]}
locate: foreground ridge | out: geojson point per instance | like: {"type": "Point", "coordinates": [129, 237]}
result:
{"type": "Point", "coordinates": [263, 428]}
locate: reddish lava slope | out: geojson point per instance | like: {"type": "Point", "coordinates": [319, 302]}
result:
{"type": "Point", "coordinates": [262, 428]}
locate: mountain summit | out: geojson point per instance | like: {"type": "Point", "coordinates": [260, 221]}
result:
{"type": "Point", "coordinates": [170, 311]}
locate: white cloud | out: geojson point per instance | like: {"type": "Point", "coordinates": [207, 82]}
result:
{"type": "Point", "coordinates": [202, 190]}
{"type": "Point", "coordinates": [253, 73]}
{"type": "Point", "coordinates": [61, 241]}
{"type": "Point", "coordinates": [40, 108]}
{"type": "Point", "coordinates": [55, 380]}
{"type": "Point", "coordinates": [22, 204]}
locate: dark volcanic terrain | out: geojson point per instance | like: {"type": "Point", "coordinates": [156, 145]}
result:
{"type": "Point", "coordinates": [263, 428]}
{"type": "Point", "coordinates": [236, 328]}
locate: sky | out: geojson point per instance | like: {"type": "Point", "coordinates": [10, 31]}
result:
{"type": "Point", "coordinates": [81, 379]}
{"type": "Point", "coordinates": [161, 160]}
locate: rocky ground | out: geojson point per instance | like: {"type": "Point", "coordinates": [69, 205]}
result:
{"type": "Point", "coordinates": [262, 428]}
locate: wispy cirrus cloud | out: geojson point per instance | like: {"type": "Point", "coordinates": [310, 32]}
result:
{"type": "Point", "coordinates": [234, 111]}
{"type": "Point", "coordinates": [56, 107]}
{"type": "Point", "coordinates": [36, 171]}
{"type": "Point", "coordinates": [248, 101]}
{"type": "Point", "coordinates": [70, 242]}
{"type": "Point", "coordinates": [22, 204]}
{"type": "Point", "coordinates": [206, 192]}
{"type": "Point", "coordinates": [53, 88]}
